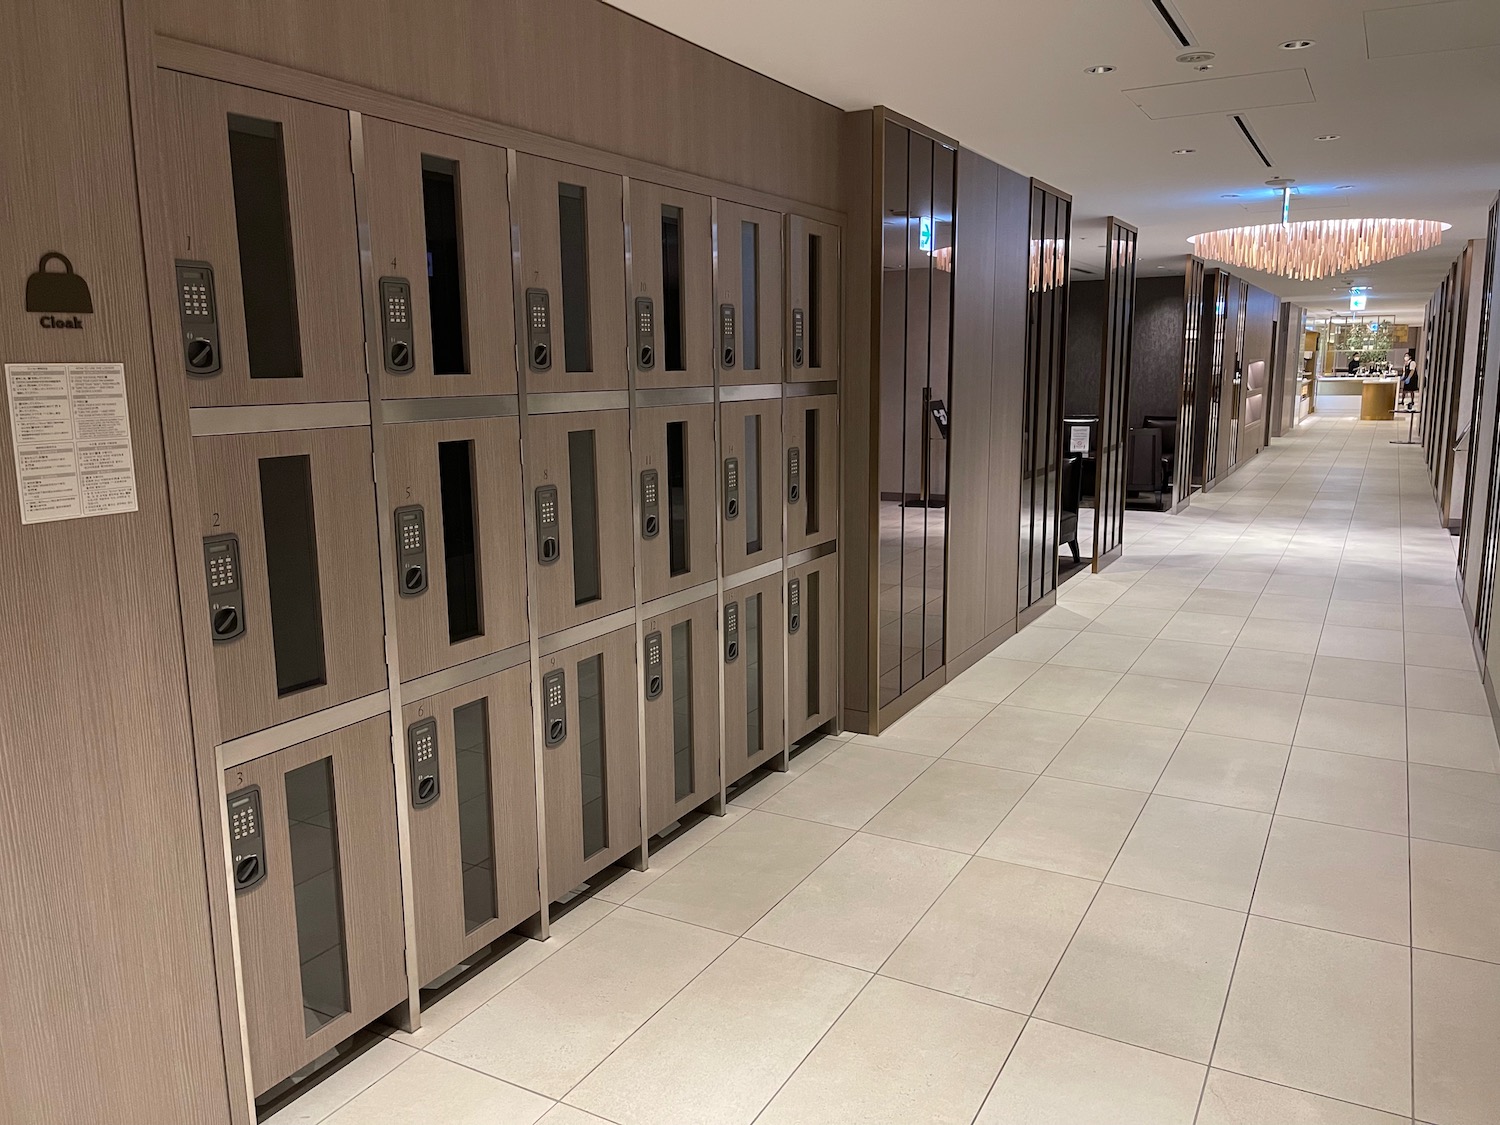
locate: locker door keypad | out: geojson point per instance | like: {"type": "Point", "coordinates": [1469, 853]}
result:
{"type": "Point", "coordinates": [799, 337]}
{"type": "Point", "coordinates": [731, 632]}
{"type": "Point", "coordinates": [650, 505]}
{"type": "Point", "coordinates": [793, 475]}
{"type": "Point", "coordinates": [226, 598]}
{"type": "Point", "coordinates": [548, 545]}
{"type": "Point", "coordinates": [247, 840]}
{"type": "Point", "coordinates": [731, 488]}
{"type": "Point", "coordinates": [538, 330]}
{"type": "Point", "coordinates": [645, 334]}
{"type": "Point", "coordinates": [411, 550]}
{"type": "Point", "coordinates": [793, 605]}
{"type": "Point", "coordinates": [422, 762]}
{"type": "Point", "coordinates": [198, 313]}
{"type": "Point", "coordinates": [395, 324]}
{"type": "Point", "coordinates": [726, 335]}
{"type": "Point", "coordinates": [654, 679]}
{"type": "Point", "coordinates": [554, 708]}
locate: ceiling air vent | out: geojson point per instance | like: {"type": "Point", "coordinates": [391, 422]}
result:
{"type": "Point", "coordinates": [1172, 20]}
{"type": "Point", "coordinates": [1250, 138]}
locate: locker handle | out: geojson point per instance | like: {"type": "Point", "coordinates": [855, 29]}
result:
{"type": "Point", "coordinates": [201, 356]}
{"type": "Point", "coordinates": [247, 871]}
{"type": "Point", "coordinates": [226, 622]}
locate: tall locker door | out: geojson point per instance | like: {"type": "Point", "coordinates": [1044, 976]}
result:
{"type": "Point", "coordinates": [472, 794]}
{"type": "Point", "coordinates": [812, 465]}
{"type": "Point", "coordinates": [751, 646]}
{"type": "Point", "coordinates": [318, 895]}
{"type": "Point", "coordinates": [260, 213]}
{"type": "Point", "coordinates": [813, 301]}
{"type": "Point", "coordinates": [292, 569]}
{"type": "Point", "coordinates": [750, 483]}
{"type": "Point", "coordinates": [578, 495]}
{"type": "Point", "coordinates": [591, 758]}
{"type": "Point", "coordinates": [812, 622]}
{"type": "Point", "coordinates": [674, 452]}
{"type": "Point", "coordinates": [671, 306]}
{"type": "Point", "coordinates": [748, 294]}
{"type": "Point", "coordinates": [440, 239]}
{"type": "Point", "coordinates": [455, 490]}
{"type": "Point", "coordinates": [572, 304]}
{"type": "Point", "coordinates": [682, 712]}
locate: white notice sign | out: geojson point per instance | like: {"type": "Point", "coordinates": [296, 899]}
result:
{"type": "Point", "coordinates": [70, 427]}
{"type": "Point", "coordinates": [1078, 439]}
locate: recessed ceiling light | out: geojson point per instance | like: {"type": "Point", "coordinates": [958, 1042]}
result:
{"type": "Point", "coordinates": [1191, 57]}
{"type": "Point", "coordinates": [1101, 69]}
{"type": "Point", "coordinates": [1183, 151]}
{"type": "Point", "coordinates": [1298, 44]}
{"type": "Point", "coordinates": [1328, 137]}
{"type": "Point", "coordinates": [1204, 66]}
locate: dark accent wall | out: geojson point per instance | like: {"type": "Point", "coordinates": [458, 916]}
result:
{"type": "Point", "coordinates": [1086, 306]}
{"type": "Point", "coordinates": [1156, 370]}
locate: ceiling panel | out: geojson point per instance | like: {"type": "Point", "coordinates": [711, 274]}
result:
{"type": "Point", "coordinates": [1231, 94]}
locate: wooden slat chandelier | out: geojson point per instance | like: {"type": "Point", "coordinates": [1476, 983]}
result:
{"type": "Point", "coordinates": [1309, 251]}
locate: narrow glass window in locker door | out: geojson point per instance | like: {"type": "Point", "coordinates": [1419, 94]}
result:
{"type": "Point", "coordinates": [318, 898]}
{"type": "Point", "coordinates": [810, 469]}
{"type": "Point", "coordinates": [286, 508]}
{"type": "Point", "coordinates": [445, 278]}
{"type": "Point", "coordinates": [263, 230]}
{"type": "Point", "coordinates": [755, 740]}
{"type": "Point", "coordinates": [591, 755]}
{"type": "Point", "coordinates": [678, 560]}
{"type": "Point", "coordinates": [460, 540]}
{"type": "Point", "coordinates": [682, 709]}
{"type": "Point", "coordinates": [471, 747]}
{"type": "Point", "coordinates": [750, 484]}
{"type": "Point", "coordinates": [750, 296]}
{"type": "Point", "coordinates": [811, 621]}
{"type": "Point", "coordinates": [814, 301]}
{"type": "Point", "coordinates": [673, 324]}
{"type": "Point", "coordinates": [583, 496]}
{"type": "Point", "coordinates": [573, 238]}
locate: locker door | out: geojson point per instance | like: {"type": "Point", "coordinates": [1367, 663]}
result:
{"type": "Point", "coordinates": [591, 769]}
{"type": "Point", "coordinates": [295, 613]}
{"type": "Point", "coordinates": [748, 294]}
{"type": "Point", "coordinates": [682, 712]}
{"type": "Point", "coordinates": [473, 816]}
{"type": "Point", "coordinates": [439, 216]}
{"type": "Point", "coordinates": [321, 935]}
{"type": "Point", "coordinates": [578, 494]}
{"type": "Point", "coordinates": [811, 445]}
{"type": "Point", "coordinates": [750, 644]}
{"type": "Point", "coordinates": [750, 482]}
{"type": "Point", "coordinates": [813, 301]}
{"type": "Point", "coordinates": [461, 573]}
{"type": "Point", "coordinates": [674, 451]}
{"type": "Point", "coordinates": [572, 226]}
{"type": "Point", "coordinates": [260, 212]}
{"type": "Point", "coordinates": [812, 649]}
{"type": "Point", "coordinates": [671, 252]}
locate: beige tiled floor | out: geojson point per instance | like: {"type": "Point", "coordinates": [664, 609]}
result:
{"type": "Point", "coordinates": [1217, 842]}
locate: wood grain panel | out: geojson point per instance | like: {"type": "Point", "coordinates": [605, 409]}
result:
{"type": "Point", "coordinates": [567, 866]}
{"type": "Point", "coordinates": [573, 69]}
{"type": "Point", "coordinates": [546, 462]}
{"type": "Point", "coordinates": [821, 362]}
{"type": "Point", "coordinates": [730, 287]}
{"type": "Point", "coordinates": [971, 444]}
{"type": "Point", "coordinates": [662, 805]}
{"type": "Point", "coordinates": [736, 532]}
{"type": "Point", "coordinates": [437, 859]}
{"type": "Point", "coordinates": [819, 495]}
{"type": "Point", "coordinates": [697, 292]}
{"type": "Point", "coordinates": [107, 971]}
{"type": "Point", "coordinates": [398, 245]}
{"type": "Point", "coordinates": [806, 710]}
{"type": "Point", "coordinates": [193, 115]}
{"type": "Point", "coordinates": [348, 571]}
{"type": "Point", "coordinates": [370, 895]}
{"type": "Point", "coordinates": [414, 478]}
{"type": "Point", "coordinates": [650, 442]}
{"type": "Point", "coordinates": [739, 756]}
{"type": "Point", "coordinates": [535, 196]}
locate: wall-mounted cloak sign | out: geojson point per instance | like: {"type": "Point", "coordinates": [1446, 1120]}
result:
{"type": "Point", "coordinates": [57, 291]}
{"type": "Point", "coordinates": [940, 416]}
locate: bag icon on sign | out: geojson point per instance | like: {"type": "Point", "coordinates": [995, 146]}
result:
{"type": "Point", "coordinates": [48, 291]}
